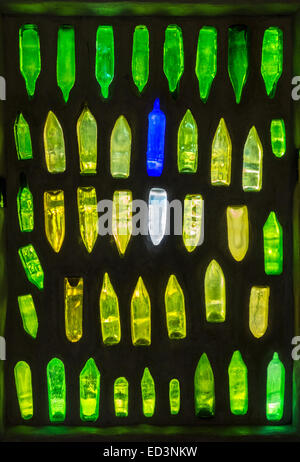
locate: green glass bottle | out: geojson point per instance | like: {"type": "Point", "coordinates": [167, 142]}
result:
{"type": "Point", "coordinates": [204, 385]}
{"type": "Point", "coordinates": [30, 56]}
{"type": "Point", "coordinates": [32, 265]}
{"type": "Point", "coordinates": [272, 59]}
{"type": "Point", "coordinates": [148, 393]}
{"type": "Point", "coordinates": [193, 221]}
{"type": "Point", "coordinates": [206, 61]}
{"type": "Point", "coordinates": [273, 245]}
{"type": "Point", "coordinates": [28, 314]}
{"type": "Point", "coordinates": [140, 57]}
{"type": "Point", "coordinates": [22, 138]}
{"type": "Point", "coordinates": [105, 58]}
{"type": "Point", "coordinates": [56, 390]}
{"type": "Point", "coordinates": [173, 56]}
{"type": "Point", "coordinates": [278, 137]}
{"type": "Point", "coordinates": [25, 209]}
{"type": "Point", "coordinates": [65, 64]}
{"type": "Point", "coordinates": [187, 144]}
{"type": "Point", "coordinates": [275, 389]}
{"type": "Point", "coordinates": [89, 386]}
{"type": "Point", "coordinates": [174, 396]}
{"type": "Point", "coordinates": [238, 384]}
{"type": "Point", "coordinates": [24, 389]}
{"type": "Point", "coordinates": [238, 59]}
{"type": "Point", "coordinates": [121, 397]}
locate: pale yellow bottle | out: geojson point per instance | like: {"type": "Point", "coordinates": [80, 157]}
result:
{"type": "Point", "coordinates": [238, 231]}
{"type": "Point", "coordinates": [259, 310]}
{"type": "Point", "coordinates": [73, 308]}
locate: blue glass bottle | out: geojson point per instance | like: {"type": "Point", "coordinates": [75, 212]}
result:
{"type": "Point", "coordinates": [156, 140]}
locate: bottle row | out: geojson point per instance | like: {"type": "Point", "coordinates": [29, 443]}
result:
{"type": "Point", "coordinates": [140, 309]}
{"type": "Point", "coordinates": [204, 390]}
{"type": "Point", "coordinates": [173, 58]}
{"type": "Point", "coordinates": [121, 141]}
{"type": "Point", "coordinates": [152, 218]}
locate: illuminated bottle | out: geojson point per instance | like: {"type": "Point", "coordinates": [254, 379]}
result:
{"type": "Point", "coordinates": [73, 288]}
{"type": "Point", "coordinates": [89, 386]}
{"type": "Point", "coordinates": [105, 58]}
{"type": "Point", "coordinates": [122, 219]}
{"type": "Point", "coordinates": [22, 138]}
{"type": "Point", "coordinates": [56, 390]}
{"type": "Point", "coordinates": [109, 313]}
{"type": "Point", "coordinates": [221, 156]}
{"type": "Point", "coordinates": [28, 314]}
{"type": "Point", "coordinates": [32, 265]}
{"type": "Point", "coordinates": [24, 389]}
{"type": "Point", "coordinates": [187, 144]}
{"type": "Point", "coordinates": [120, 149]}
{"type": "Point", "coordinates": [174, 396]}
{"type": "Point", "coordinates": [158, 207]}
{"type": "Point", "coordinates": [275, 389]}
{"type": "Point", "coordinates": [215, 293]}
{"type": "Point", "coordinates": [173, 56]}
{"type": "Point", "coordinates": [30, 56]}
{"type": "Point", "coordinates": [272, 59]}
{"type": "Point", "coordinates": [175, 309]}
{"type": "Point", "coordinates": [121, 397]}
{"type": "Point", "coordinates": [65, 64]}
{"type": "Point", "coordinates": [54, 215]}
{"type": "Point", "coordinates": [140, 57]}
{"type": "Point", "coordinates": [206, 61]}
{"type": "Point", "coordinates": [273, 245]}
{"type": "Point", "coordinates": [238, 59]}
{"type": "Point", "coordinates": [140, 315]}
{"type": "Point", "coordinates": [87, 142]}
{"type": "Point", "coordinates": [238, 384]}
{"type": "Point", "coordinates": [259, 310]}
{"type": "Point", "coordinates": [252, 162]}
{"type": "Point", "coordinates": [204, 388]}
{"type": "Point", "coordinates": [193, 221]}
{"type": "Point", "coordinates": [278, 137]}
{"type": "Point", "coordinates": [88, 216]}
{"type": "Point", "coordinates": [156, 140]}
{"type": "Point", "coordinates": [238, 231]}
{"type": "Point", "coordinates": [148, 393]}
{"type": "Point", "coordinates": [25, 209]}
{"type": "Point", "coordinates": [54, 145]}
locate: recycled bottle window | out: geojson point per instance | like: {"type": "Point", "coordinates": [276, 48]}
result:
{"type": "Point", "coordinates": [145, 118]}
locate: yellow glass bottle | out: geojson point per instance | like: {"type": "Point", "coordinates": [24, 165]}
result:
{"type": "Point", "coordinates": [175, 309]}
{"type": "Point", "coordinates": [54, 214]}
{"type": "Point", "coordinates": [122, 219]}
{"type": "Point", "coordinates": [73, 308]}
{"type": "Point", "coordinates": [193, 221]}
{"type": "Point", "coordinates": [238, 231]}
{"type": "Point", "coordinates": [109, 313]}
{"type": "Point", "coordinates": [54, 145]}
{"type": "Point", "coordinates": [259, 310]}
{"type": "Point", "coordinates": [88, 216]}
{"type": "Point", "coordinates": [140, 315]}
{"type": "Point", "coordinates": [87, 142]}
{"type": "Point", "coordinates": [215, 293]}
{"type": "Point", "coordinates": [221, 156]}
{"type": "Point", "coordinates": [252, 162]}
{"type": "Point", "coordinates": [120, 149]}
